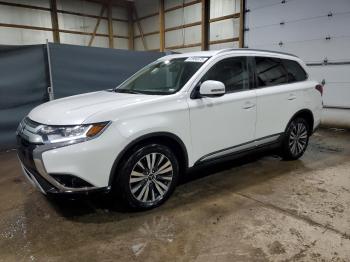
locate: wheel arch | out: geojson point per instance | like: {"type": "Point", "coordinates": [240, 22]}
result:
{"type": "Point", "coordinates": [166, 138]}
{"type": "Point", "coordinates": [307, 115]}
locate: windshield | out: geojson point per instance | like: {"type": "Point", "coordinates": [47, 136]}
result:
{"type": "Point", "coordinates": [162, 78]}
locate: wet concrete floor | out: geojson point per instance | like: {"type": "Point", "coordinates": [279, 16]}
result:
{"type": "Point", "coordinates": [259, 208]}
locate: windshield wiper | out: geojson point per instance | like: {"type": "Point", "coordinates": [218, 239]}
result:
{"type": "Point", "coordinates": [126, 91]}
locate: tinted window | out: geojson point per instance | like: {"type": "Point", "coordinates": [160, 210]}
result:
{"type": "Point", "coordinates": [270, 71]}
{"type": "Point", "coordinates": [232, 72]}
{"type": "Point", "coordinates": [295, 71]}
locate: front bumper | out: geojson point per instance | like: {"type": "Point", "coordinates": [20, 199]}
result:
{"type": "Point", "coordinates": [30, 156]}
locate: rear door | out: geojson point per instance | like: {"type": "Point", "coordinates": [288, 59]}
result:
{"type": "Point", "coordinates": [279, 92]}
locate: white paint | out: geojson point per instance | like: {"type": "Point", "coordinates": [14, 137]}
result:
{"type": "Point", "coordinates": [204, 125]}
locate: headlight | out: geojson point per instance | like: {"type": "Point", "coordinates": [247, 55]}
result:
{"type": "Point", "coordinates": [56, 134]}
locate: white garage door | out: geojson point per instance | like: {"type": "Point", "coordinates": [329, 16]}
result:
{"type": "Point", "coordinates": [318, 31]}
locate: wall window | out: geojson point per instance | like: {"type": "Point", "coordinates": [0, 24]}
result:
{"type": "Point", "coordinates": [295, 72]}
{"type": "Point", "coordinates": [270, 72]}
{"type": "Point", "coordinates": [232, 72]}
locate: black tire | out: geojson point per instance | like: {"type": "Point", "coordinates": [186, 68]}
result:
{"type": "Point", "coordinates": [125, 188]}
{"type": "Point", "coordinates": [296, 139]}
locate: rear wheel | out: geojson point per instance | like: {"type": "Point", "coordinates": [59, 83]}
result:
{"type": "Point", "coordinates": [148, 177]}
{"type": "Point", "coordinates": [296, 139]}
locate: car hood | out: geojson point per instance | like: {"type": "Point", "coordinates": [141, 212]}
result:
{"type": "Point", "coordinates": [77, 109]}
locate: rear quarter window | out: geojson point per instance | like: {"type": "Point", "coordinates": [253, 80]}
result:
{"type": "Point", "coordinates": [270, 72]}
{"type": "Point", "coordinates": [294, 70]}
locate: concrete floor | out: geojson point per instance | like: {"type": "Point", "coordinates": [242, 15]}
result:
{"type": "Point", "coordinates": [254, 209]}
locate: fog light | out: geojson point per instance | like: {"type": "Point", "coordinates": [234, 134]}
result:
{"type": "Point", "coordinates": [71, 181]}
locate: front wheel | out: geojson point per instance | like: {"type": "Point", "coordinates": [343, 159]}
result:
{"type": "Point", "coordinates": [295, 140]}
{"type": "Point", "coordinates": [148, 177]}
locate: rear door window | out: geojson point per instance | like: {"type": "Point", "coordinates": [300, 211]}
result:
{"type": "Point", "coordinates": [270, 72]}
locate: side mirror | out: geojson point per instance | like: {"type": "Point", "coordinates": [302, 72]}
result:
{"type": "Point", "coordinates": [211, 88]}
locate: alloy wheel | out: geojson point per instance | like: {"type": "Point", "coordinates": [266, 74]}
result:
{"type": "Point", "coordinates": [298, 138]}
{"type": "Point", "coordinates": [151, 177]}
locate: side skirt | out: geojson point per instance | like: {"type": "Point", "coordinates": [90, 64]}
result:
{"type": "Point", "coordinates": [263, 144]}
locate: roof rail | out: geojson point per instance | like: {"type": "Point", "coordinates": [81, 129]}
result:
{"type": "Point", "coordinates": [255, 50]}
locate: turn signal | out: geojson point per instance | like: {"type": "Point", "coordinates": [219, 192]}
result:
{"type": "Point", "coordinates": [95, 129]}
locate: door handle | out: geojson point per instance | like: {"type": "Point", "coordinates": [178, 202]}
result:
{"type": "Point", "coordinates": [292, 97]}
{"type": "Point", "coordinates": [248, 105]}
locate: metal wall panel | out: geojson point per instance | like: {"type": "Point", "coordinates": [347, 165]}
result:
{"type": "Point", "coordinates": [17, 36]}
{"type": "Point", "coordinates": [138, 45]}
{"type": "Point", "coordinates": [79, 6]}
{"type": "Point", "coordinates": [193, 13]}
{"type": "Point", "coordinates": [220, 8]}
{"type": "Point", "coordinates": [188, 35]}
{"type": "Point", "coordinates": [224, 45]}
{"type": "Point", "coordinates": [171, 3]}
{"type": "Point", "coordinates": [24, 16]}
{"type": "Point", "coordinates": [188, 49]}
{"type": "Point", "coordinates": [174, 18]}
{"type": "Point", "coordinates": [119, 12]}
{"type": "Point", "coordinates": [32, 17]}
{"type": "Point", "coordinates": [150, 24]}
{"type": "Point", "coordinates": [87, 24]}
{"type": "Point", "coordinates": [41, 3]}
{"type": "Point", "coordinates": [120, 28]}
{"type": "Point", "coordinates": [227, 28]}
{"type": "Point", "coordinates": [73, 39]}
{"type": "Point", "coordinates": [146, 7]}
{"type": "Point", "coordinates": [304, 29]}
{"type": "Point", "coordinates": [182, 16]}
{"type": "Point", "coordinates": [81, 23]}
{"type": "Point", "coordinates": [121, 43]}
{"type": "Point", "coordinates": [152, 41]}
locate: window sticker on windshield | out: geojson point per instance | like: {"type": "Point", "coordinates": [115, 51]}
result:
{"type": "Point", "coordinates": [196, 59]}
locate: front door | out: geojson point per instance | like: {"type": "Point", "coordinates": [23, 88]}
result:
{"type": "Point", "coordinates": [225, 124]}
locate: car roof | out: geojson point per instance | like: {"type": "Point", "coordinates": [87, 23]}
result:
{"type": "Point", "coordinates": [213, 53]}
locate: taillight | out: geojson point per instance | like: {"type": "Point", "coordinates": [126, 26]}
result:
{"type": "Point", "coordinates": [319, 88]}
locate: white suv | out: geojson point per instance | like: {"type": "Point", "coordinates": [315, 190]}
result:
{"type": "Point", "coordinates": [178, 112]}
